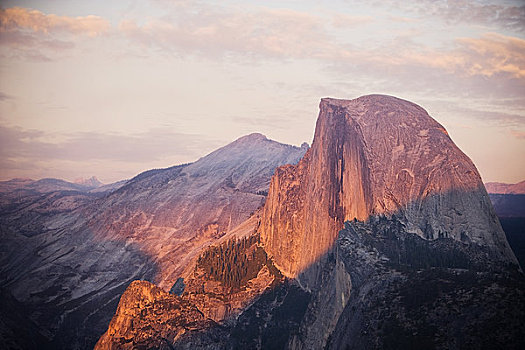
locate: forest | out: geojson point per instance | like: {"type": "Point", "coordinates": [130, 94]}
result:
{"type": "Point", "coordinates": [235, 262]}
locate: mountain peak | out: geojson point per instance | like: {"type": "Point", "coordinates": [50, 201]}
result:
{"type": "Point", "coordinates": [91, 182]}
{"type": "Point", "coordinates": [368, 100]}
{"type": "Point", "coordinates": [372, 107]}
{"type": "Point", "coordinates": [251, 138]}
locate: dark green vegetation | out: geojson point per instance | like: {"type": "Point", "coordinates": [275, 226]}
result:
{"type": "Point", "coordinates": [235, 262]}
{"type": "Point", "coordinates": [269, 323]}
{"type": "Point", "coordinates": [511, 213]}
{"type": "Point", "coordinates": [178, 287]}
{"type": "Point", "coordinates": [427, 294]}
{"type": "Point", "coordinates": [408, 250]}
{"type": "Point", "coordinates": [515, 231]}
{"type": "Point", "coordinates": [508, 205]}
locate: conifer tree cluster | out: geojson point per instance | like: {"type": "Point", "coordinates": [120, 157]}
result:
{"type": "Point", "coordinates": [235, 262]}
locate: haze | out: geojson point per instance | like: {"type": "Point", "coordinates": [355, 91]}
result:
{"type": "Point", "coordinates": [114, 88]}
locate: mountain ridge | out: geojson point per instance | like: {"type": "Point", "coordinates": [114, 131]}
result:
{"type": "Point", "coordinates": [70, 266]}
{"type": "Point", "coordinates": [505, 188]}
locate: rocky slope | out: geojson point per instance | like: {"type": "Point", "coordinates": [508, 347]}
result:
{"type": "Point", "coordinates": [370, 156]}
{"type": "Point", "coordinates": [71, 265]}
{"type": "Point", "coordinates": [148, 316]}
{"type": "Point", "coordinates": [174, 213]}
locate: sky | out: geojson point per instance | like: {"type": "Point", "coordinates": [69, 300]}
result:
{"type": "Point", "coordinates": [113, 88]}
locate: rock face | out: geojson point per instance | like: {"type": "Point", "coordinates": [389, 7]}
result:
{"type": "Point", "coordinates": [145, 310]}
{"type": "Point", "coordinates": [68, 256]}
{"type": "Point", "coordinates": [370, 156]}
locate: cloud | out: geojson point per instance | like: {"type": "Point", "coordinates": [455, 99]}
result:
{"type": "Point", "coordinates": [518, 134]}
{"type": "Point", "coordinates": [266, 33]}
{"type": "Point", "coordinates": [347, 21]}
{"type": "Point", "coordinates": [493, 54]}
{"type": "Point", "coordinates": [454, 12]}
{"type": "Point", "coordinates": [458, 11]}
{"type": "Point", "coordinates": [273, 33]}
{"type": "Point", "coordinates": [23, 19]}
{"type": "Point", "coordinates": [488, 67]}
{"type": "Point", "coordinates": [152, 145]}
{"type": "Point", "coordinates": [501, 118]}
{"type": "Point", "coordinates": [5, 97]}
{"type": "Point", "coordinates": [490, 55]}
{"type": "Point", "coordinates": [36, 36]}
{"type": "Point", "coordinates": [37, 154]}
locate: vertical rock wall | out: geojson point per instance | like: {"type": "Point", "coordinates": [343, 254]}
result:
{"type": "Point", "coordinates": [376, 155]}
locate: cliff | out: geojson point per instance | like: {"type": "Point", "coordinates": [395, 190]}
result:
{"type": "Point", "coordinates": [376, 155]}
{"type": "Point", "coordinates": [144, 310]}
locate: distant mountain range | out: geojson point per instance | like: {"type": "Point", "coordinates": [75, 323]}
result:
{"type": "Point", "coordinates": [503, 188]}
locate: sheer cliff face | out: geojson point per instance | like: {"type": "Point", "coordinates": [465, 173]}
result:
{"type": "Point", "coordinates": [370, 156]}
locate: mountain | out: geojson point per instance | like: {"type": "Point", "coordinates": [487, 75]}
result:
{"type": "Point", "coordinates": [178, 211]}
{"type": "Point", "coordinates": [376, 155]}
{"type": "Point", "coordinates": [41, 186]}
{"type": "Point", "coordinates": [381, 236]}
{"type": "Point", "coordinates": [92, 182]}
{"type": "Point", "coordinates": [372, 157]}
{"type": "Point", "coordinates": [508, 199]}
{"type": "Point", "coordinates": [26, 205]}
{"type": "Point", "coordinates": [503, 188]}
{"type": "Point", "coordinates": [70, 266]}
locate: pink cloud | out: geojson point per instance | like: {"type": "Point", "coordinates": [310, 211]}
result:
{"type": "Point", "coordinates": [17, 18]}
{"type": "Point", "coordinates": [518, 134]}
{"type": "Point", "coordinates": [494, 53]}
{"type": "Point", "coordinates": [342, 20]}
{"type": "Point", "coordinates": [488, 56]}
{"type": "Point", "coordinates": [267, 32]}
